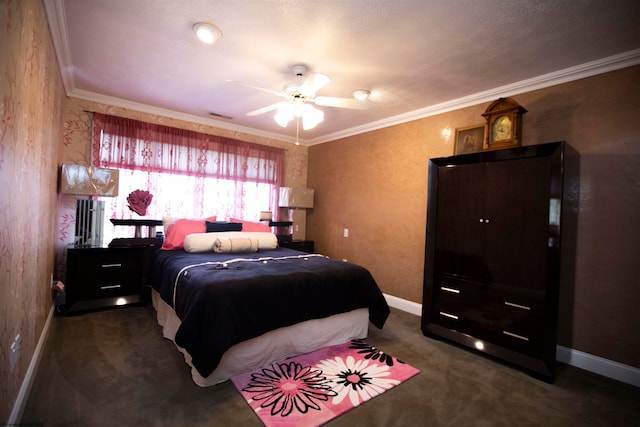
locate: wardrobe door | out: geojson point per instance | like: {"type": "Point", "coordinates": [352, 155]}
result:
{"type": "Point", "coordinates": [517, 222]}
{"type": "Point", "coordinates": [459, 237]}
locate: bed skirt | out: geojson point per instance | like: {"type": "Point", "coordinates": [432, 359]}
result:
{"type": "Point", "coordinates": [272, 346]}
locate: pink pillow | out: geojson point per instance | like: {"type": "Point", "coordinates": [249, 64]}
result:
{"type": "Point", "coordinates": [252, 226]}
{"type": "Point", "coordinates": [181, 228]}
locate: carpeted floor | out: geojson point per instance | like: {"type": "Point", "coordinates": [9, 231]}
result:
{"type": "Point", "coordinates": [113, 367]}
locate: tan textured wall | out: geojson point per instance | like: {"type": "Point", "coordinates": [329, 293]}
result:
{"type": "Point", "coordinates": [30, 102]}
{"type": "Point", "coordinates": [375, 184]}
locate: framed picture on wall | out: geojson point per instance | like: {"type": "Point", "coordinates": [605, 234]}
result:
{"type": "Point", "coordinates": [469, 139]}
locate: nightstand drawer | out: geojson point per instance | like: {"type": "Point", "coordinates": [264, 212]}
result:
{"type": "Point", "coordinates": [98, 277]}
{"type": "Point", "coordinates": [109, 273]}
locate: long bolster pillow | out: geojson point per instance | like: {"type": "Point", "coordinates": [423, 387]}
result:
{"type": "Point", "coordinates": [230, 245]}
{"type": "Point", "coordinates": [204, 242]}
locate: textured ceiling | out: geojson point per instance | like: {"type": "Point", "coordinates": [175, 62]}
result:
{"type": "Point", "coordinates": [418, 57]}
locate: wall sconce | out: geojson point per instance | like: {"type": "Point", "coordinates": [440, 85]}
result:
{"type": "Point", "coordinates": [89, 181]}
{"type": "Point", "coordinates": [297, 200]}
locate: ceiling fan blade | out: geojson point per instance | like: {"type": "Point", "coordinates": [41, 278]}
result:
{"type": "Point", "coordinates": [264, 109]}
{"type": "Point", "coordinates": [274, 92]}
{"type": "Point", "coordinates": [328, 101]}
{"type": "Point", "coordinates": [313, 84]}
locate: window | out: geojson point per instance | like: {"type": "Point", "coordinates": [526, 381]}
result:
{"type": "Point", "coordinates": [189, 174]}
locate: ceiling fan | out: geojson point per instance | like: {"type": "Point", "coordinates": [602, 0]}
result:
{"type": "Point", "coordinates": [301, 94]}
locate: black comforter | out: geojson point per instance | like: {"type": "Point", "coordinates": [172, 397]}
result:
{"type": "Point", "coordinates": [223, 299]}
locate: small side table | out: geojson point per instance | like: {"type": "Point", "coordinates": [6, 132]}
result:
{"type": "Point", "coordinates": [99, 276]}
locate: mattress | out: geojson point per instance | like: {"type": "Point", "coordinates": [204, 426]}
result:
{"type": "Point", "coordinates": [273, 346]}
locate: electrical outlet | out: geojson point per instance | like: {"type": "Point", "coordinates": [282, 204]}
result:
{"type": "Point", "coordinates": [346, 232]}
{"type": "Point", "coordinates": [14, 354]}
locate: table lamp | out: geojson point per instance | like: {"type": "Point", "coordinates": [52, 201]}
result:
{"type": "Point", "coordinates": [89, 181]}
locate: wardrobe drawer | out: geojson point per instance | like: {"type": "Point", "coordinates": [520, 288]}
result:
{"type": "Point", "coordinates": [501, 315]}
{"type": "Point", "coordinates": [523, 320]}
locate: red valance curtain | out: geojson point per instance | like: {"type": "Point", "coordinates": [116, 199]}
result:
{"type": "Point", "coordinates": [212, 163]}
{"type": "Point", "coordinates": [132, 144]}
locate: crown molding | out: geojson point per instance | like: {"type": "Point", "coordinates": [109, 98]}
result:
{"type": "Point", "coordinates": [58, 28]}
{"type": "Point", "coordinates": [589, 69]}
{"type": "Point", "coordinates": [145, 108]}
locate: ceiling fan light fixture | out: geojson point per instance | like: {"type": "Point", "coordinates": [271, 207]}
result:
{"type": "Point", "coordinates": [284, 114]}
{"type": "Point", "coordinates": [361, 94]}
{"type": "Point", "coordinates": [282, 120]}
{"type": "Point", "coordinates": [311, 117]}
{"type": "Point", "coordinates": [207, 33]}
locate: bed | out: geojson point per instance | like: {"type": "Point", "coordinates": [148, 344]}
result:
{"type": "Point", "coordinates": [235, 311]}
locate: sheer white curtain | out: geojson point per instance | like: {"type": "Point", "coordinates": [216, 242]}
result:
{"type": "Point", "coordinates": [189, 174]}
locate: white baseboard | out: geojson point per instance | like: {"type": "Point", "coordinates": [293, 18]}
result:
{"type": "Point", "coordinates": [25, 388]}
{"type": "Point", "coordinates": [598, 365]}
{"type": "Point", "coordinates": [404, 305]}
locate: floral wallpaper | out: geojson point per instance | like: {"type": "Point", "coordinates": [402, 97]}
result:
{"type": "Point", "coordinates": [40, 129]}
{"type": "Point", "coordinates": [31, 96]}
{"type": "Point", "coordinates": [76, 148]}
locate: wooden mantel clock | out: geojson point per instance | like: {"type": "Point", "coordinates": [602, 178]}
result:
{"type": "Point", "coordinates": [504, 124]}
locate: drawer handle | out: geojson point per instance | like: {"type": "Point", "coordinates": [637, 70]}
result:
{"type": "Point", "coordinates": [450, 316]}
{"type": "Point", "coordinates": [511, 334]}
{"type": "Point", "coordinates": [513, 304]}
{"type": "Point", "coordinates": [453, 291]}
{"type": "Point", "coordinates": [111, 265]}
{"type": "Point", "coordinates": [110, 287]}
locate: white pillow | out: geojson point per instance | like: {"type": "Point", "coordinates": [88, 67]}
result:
{"type": "Point", "coordinates": [230, 245]}
{"type": "Point", "coordinates": [203, 242]}
{"type": "Point", "coordinates": [166, 220]}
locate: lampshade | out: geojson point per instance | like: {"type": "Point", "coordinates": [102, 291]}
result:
{"type": "Point", "coordinates": [296, 197]}
{"type": "Point", "coordinates": [89, 181]}
{"type": "Point", "coordinates": [266, 215]}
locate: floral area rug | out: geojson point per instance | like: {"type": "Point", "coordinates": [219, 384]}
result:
{"type": "Point", "coordinates": [311, 389]}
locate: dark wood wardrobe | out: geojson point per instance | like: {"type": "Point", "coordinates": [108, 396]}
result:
{"type": "Point", "coordinates": [492, 260]}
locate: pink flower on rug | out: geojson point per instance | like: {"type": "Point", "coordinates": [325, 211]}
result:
{"type": "Point", "coordinates": [287, 386]}
{"type": "Point", "coordinates": [139, 201]}
{"type": "Point", "coordinates": [360, 380]}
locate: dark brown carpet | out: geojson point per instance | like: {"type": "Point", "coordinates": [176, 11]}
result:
{"type": "Point", "coordinates": [113, 367]}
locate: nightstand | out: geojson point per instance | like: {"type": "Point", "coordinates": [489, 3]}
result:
{"type": "Point", "coordinates": [299, 245]}
{"type": "Point", "coordinates": [105, 276]}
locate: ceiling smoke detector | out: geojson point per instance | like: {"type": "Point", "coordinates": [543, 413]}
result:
{"type": "Point", "coordinates": [361, 94]}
